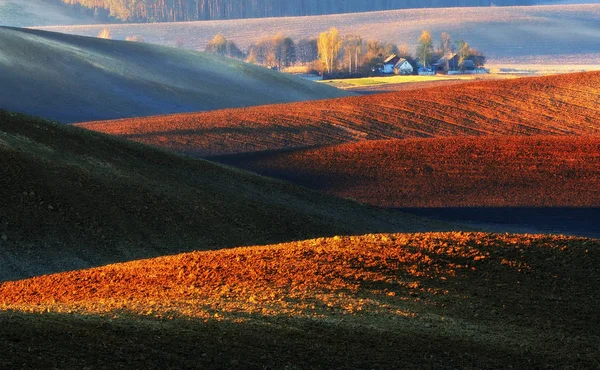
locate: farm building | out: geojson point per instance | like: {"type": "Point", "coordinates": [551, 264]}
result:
{"type": "Point", "coordinates": [389, 63]}
{"type": "Point", "coordinates": [397, 65]}
{"type": "Point", "coordinates": [451, 63]}
{"type": "Point", "coordinates": [403, 67]}
{"type": "Point", "coordinates": [448, 62]}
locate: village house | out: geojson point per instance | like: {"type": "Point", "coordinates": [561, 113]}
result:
{"type": "Point", "coordinates": [403, 67]}
{"type": "Point", "coordinates": [450, 63]}
{"type": "Point", "coordinates": [389, 63]}
{"type": "Point", "coordinates": [397, 65]}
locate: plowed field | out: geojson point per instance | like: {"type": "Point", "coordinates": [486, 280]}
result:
{"type": "Point", "coordinates": [442, 300]}
{"type": "Point", "coordinates": [553, 105]}
{"type": "Point", "coordinates": [537, 171]}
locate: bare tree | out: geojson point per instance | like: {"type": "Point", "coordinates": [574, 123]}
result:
{"type": "Point", "coordinates": [352, 46]}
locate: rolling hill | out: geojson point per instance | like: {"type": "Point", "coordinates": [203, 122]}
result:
{"type": "Point", "coordinates": [412, 301]}
{"type": "Point", "coordinates": [533, 184]}
{"type": "Point", "coordinates": [74, 199]}
{"type": "Point", "coordinates": [532, 171]}
{"type": "Point", "coordinates": [552, 105]}
{"type": "Point", "coordinates": [550, 35]}
{"type": "Point", "coordinates": [71, 78]}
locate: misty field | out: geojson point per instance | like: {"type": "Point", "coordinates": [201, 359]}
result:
{"type": "Point", "coordinates": [565, 34]}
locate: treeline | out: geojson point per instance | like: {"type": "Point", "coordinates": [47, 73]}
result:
{"type": "Point", "coordinates": [191, 10]}
{"type": "Point", "coordinates": [342, 55]}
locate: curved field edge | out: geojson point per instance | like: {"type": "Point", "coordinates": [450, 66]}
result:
{"type": "Point", "coordinates": [532, 171]}
{"type": "Point", "coordinates": [552, 105]}
{"type": "Point", "coordinates": [468, 300]}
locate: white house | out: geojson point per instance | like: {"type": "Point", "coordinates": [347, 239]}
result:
{"type": "Point", "coordinates": [397, 65]}
{"type": "Point", "coordinates": [403, 67]}
{"type": "Point", "coordinates": [390, 63]}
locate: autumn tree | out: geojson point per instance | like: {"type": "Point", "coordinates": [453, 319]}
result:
{"type": "Point", "coordinates": [425, 48]}
{"type": "Point", "coordinates": [277, 51]}
{"type": "Point", "coordinates": [464, 53]}
{"type": "Point", "coordinates": [134, 38]}
{"type": "Point", "coordinates": [218, 45]}
{"type": "Point", "coordinates": [104, 34]}
{"type": "Point", "coordinates": [329, 44]}
{"type": "Point", "coordinates": [221, 46]}
{"type": "Point", "coordinates": [376, 52]}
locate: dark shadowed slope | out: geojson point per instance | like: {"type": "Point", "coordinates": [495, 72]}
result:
{"type": "Point", "coordinates": [71, 78]}
{"type": "Point", "coordinates": [553, 105]}
{"type": "Point", "coordinates": [541, 184]}
{"type": "Point", "coordinates": [71, 198]}
{"type": "Point", "coordinates": [531, 171]}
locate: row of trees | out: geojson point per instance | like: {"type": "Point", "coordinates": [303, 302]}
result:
{"type": "Point", "coordinates": [189, 10]}
{"type": "Point", "coordinates": [332, 53]}
{"type": "Point", "coordinates": [427, 54]}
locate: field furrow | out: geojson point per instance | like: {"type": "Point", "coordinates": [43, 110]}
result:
{"type": "Point", "coordinates": [553, 105]}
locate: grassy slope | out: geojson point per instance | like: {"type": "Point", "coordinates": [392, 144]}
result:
{"type": "Point", "coordinates": [411, 301]}
{"type": "Point", "coordinates": [553, 105]}
{"type": "Point", "coordinates": [72, 199]}
{"type": "Point", "coordinates": [538, 171]}
{"type": "Point", "coordinates": [520, 35]}
{"type": "Point", "coordinates": [71, 78]}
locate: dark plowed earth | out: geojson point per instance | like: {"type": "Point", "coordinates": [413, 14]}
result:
{"type": "Point", "coordinates": [71, 198]}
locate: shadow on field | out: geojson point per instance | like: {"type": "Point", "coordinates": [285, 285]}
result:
{"type": "Point", "coordinates": [547, 220]}
{"type": "Point", "coordinates": [75, 342]}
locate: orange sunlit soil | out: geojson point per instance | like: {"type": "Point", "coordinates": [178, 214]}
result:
{"type": "Point", "coordinates": [536, 171]}
{"type": "Point", "coordinates": [386, 274]}
{"type": "Point", "coordinates": [552, 105]}
{"type": "Point", "coordinates": [449, 300]}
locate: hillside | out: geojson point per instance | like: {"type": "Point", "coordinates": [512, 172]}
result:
{"type": "Point", "coordinates": [73, 199]}
{"type": "Point", "coordinates": [27, 13]}
{"type": "Point", "coordinates": [553, 105]}
{"type": "Point", "coordinates": [536, 171]}
{"type": "Point", "coordinates": [536, 184]}
{"type": "Point", "coordinates": [70, 78]}
{"type": "Point", "coordinates": [412, 301]}
{"type": "Point", "coordinates": [550, 35]}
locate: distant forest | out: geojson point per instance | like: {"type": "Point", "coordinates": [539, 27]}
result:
{"type": "Point", "coordinates": [191, 10]}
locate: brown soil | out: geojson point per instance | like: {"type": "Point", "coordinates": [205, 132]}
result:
{"type": "Point", "coordinates": [441, 300]}
{"type": "Point", "coordinates": [537, 171]}
{"type": "Point", "coordinates": [552, 105]}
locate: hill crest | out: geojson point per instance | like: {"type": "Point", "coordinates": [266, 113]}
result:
{"type": "Point", "coordinates": [72, 79]}
{"type": "Point", "coordinates": [551, 105]}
